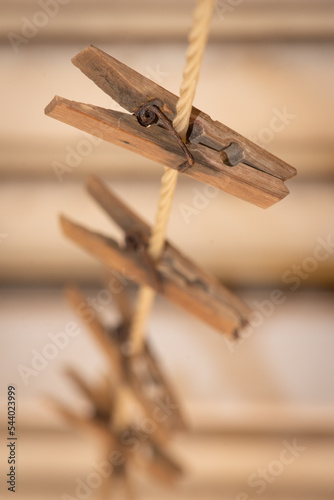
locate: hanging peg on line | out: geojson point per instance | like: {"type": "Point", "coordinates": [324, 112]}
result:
{"type": "Point", "coordinates": [148, 456]}
{"type": "Point", "coordinates": [145, 368]}
{"type": "Point", "coordinates": [213, 153]}
{"type": "Point", "coordinates": [132, 372]}
{"type": "Point", "coordinates": [180, 280]}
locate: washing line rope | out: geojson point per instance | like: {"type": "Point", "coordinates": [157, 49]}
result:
{"type": "Point", "coordinates": [197, 41]}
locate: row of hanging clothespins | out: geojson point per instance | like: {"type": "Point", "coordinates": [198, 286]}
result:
{"type": "Point", "coordinates": [134, 412]}
{"type": "Point", "coordinates": [209, 152]}
{"type": "Point", "coordinates": [135, 389]}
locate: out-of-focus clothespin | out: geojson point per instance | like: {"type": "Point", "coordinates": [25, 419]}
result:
{"type": "Point", "coordinates": [143, 371]}
{"type": "Point", "coordinates": [148, 455]}
{"type": "Point", "coordinates": [121, 375]}
{"type": "Point", "coordinates": [176, 277]}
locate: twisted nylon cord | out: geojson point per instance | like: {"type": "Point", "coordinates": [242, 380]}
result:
{"type": "Point", "coordinates": [197, 42]}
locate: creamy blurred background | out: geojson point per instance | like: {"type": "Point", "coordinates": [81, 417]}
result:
{"type": "Point", "coordinates": [243, 401]}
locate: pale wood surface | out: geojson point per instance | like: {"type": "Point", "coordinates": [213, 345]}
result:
{"type": "Point", "coordinates": [253, 20]}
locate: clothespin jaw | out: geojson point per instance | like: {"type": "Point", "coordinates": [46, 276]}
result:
{"type": "Point", "coordinates": [220, 156]}
{"type": "Point", "coordinates": [181, 281]}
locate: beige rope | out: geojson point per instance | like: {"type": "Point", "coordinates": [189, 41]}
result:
{"type": "Point", "coordinates": [122, 417]}
{"type": "Point", "coordinates": [197, 41]}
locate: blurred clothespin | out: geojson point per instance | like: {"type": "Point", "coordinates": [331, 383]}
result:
{"type": "Point", "coordinates": [213, 153]}
{"type": "Point", "coordinates": [148, 455]}
{"type": "Point", "coordinates": [175, 276]}
{"type": "Point", "coordinates": [143, 370]}
{"type": "Point", "coordinates": [126, 375]}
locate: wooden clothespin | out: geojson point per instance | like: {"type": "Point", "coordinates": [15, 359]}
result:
{"type": "Point", "coordinates": [213, 154]}
{"type": "Point", "coordinates": [143, 370]}
{"type": "Point", "coordinates": [99, 429]}
{"type": "Point", "coordinates": [101, 396]}
{"type": "Point", "coordinates": [90, 425]}
{"type": "Point", "coordinates": [147, 377]}
{"type": "Point", "coordinates": [148, 456]}
{"type": "Point", "coordinates": [123, 370]}
{"type": "Point", "coordinates": [108, 443]}
{"type": "Point", "coordinates": [176, 277]}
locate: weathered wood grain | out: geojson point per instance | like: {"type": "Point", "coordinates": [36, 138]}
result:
{"type": "Point", "coordinates": [260, 184]}
{"type": "Point", "coordinates": [158, 145]}
{"type": "Point", "coordinates": [130, 90]}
